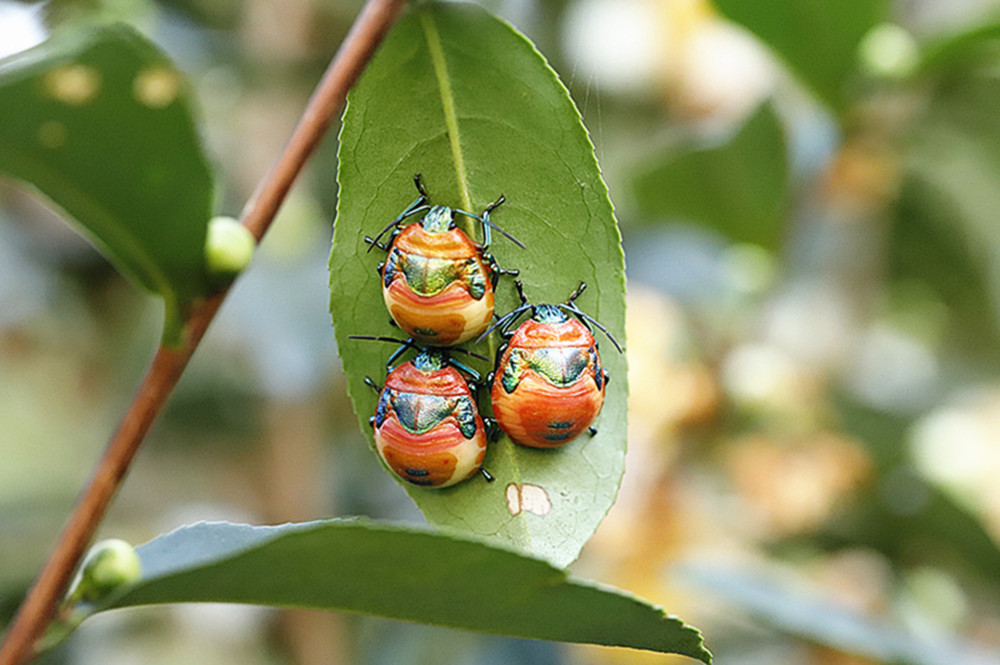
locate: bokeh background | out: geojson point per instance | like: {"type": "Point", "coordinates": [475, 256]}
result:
{"type": "Point", "coordinates": [814, 448]}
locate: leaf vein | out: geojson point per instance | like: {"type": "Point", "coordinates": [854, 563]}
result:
{"type": "Point", "coordinates": [448, 104]}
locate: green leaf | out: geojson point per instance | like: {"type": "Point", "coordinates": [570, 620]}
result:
{"type": "Point", "coordinates": [944, 237]}
{"type": "Point", "coordinates": [909, 519]}
{"type": "Point", "coordinates": [970, 46]}
{"type": "Point", "coordinates": [780, 602]}
{"type": "Point", "coordinates": [738, 187]}
{"type": "Point", "coordinates": [100, 122]}
{"type": "Point", "coordinates": [818, 39]}
{"type": "Point", "coordinates": [462, 98]}
{"type": "Point", "coordinates": [408, 574]}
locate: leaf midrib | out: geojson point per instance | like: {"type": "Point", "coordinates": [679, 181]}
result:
{"type": "Point", "coordinates": [440, 67]}
{"type": "Point", "coordinates": [448, 105]}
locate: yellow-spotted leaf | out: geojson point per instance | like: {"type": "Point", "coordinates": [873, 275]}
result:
{"type": "Point", "coordinates": [100, 123]}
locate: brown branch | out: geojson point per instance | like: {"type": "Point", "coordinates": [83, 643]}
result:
{"type": "Point", "coordinates": [168, 364]}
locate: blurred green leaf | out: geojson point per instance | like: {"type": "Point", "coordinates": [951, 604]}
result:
{"type": "Point", "coordinates": [100, 122]}
{"type": "Point", "coordinates": [215, 14]}
{"type": "Point", "coordinates": [739, 187]}
{"type": "Point", "coordinates": [514, 131]}
{"type": "Point", "coordinates": [913, 522]}
{"type": "Point", "coordinates": [962, 48]}
{"type": "Point", "coordinates": [391, 571]}
{"type": "Point", "coordinates": [903, 515]}
{"type": "Point", "coordinates": [818, 39]}
{"type": "Point", "coordinates": [782, 603]}
{"type": "Point", "coordinates": [945, 236]}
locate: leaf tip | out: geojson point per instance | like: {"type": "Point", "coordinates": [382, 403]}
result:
{"type": "Point", "coordinates": [693, 643]}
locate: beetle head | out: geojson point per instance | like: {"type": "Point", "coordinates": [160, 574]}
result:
{"type": "Point", "coordinates": [439, 219]}
{"type": "Point", "coordinates": [430, 359]}
{"type": "Point", "coordinates": [549, 314]}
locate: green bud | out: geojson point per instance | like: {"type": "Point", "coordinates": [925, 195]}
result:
{"type": "Point", "coordinates": [108, 566]}
{"type": "Point", "coordinates": [229, 247]}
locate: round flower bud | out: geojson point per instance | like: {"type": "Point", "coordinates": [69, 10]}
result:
{"type": "Point", "coordinates": [229, 247]}
{"type": "Point", "coordinates": [108, 566]}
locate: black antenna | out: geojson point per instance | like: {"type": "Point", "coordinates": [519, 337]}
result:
{"type": "Point", "coordinates": [404, 344]}
{"type": "Point", "coordinates": [379, 338]}
{"type": "Point", "coordinates": [417, 206]}
{"type": "Point", "coordinates": [571, 306]}
{"type": "Point", "coordinates": [504, 233]}
{"type": "Point", "coordinates": [509, 316]}
{"type": "Point", "coordinates": [410, 344]}
{"type": "Point", "coordinates": [485, 219]}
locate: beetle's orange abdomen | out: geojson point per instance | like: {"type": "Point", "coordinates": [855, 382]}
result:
{"type": "Point", "coordinates": [542, 415]}
{"type": "Point", "coordinates": [427, 428]}
{"type": "Point", "coordinates": [554, 389]}
{"type": "Point", "coordinates": [437, 287]}
{"type": "Point", "coordinates": [443, 319]}
{"type": "Point", "coordinates": [440, 457]}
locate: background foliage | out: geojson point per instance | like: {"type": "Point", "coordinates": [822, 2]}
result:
{"type": "Point", "coordinates": [814, 396]}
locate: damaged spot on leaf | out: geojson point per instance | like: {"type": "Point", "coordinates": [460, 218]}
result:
{"type": "Point", "coordinates": [527, 497]}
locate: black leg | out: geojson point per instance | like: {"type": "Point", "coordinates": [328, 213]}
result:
{"type": "Point", "coordinates": [408, 344]}
{"type": "Point", "coordinates": [374, 243]}
{"type": "Point", "coordinates": [420, 185]}
{"type": "Point", "coordinates": [520, 291]}
{"type": "Point", "coordinates": [492, 429]}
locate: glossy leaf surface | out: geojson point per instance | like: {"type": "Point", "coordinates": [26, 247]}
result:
{"type": "Point", "coordinates": [462, 98]}
{"type": "Point", "coordinates": [100, 122]}
{"type": "Point", "coordinates": [414, 575]}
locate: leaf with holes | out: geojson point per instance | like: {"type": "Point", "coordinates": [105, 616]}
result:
{"type": "Point", "coordinates": [100, 122]}
{"type": "Point", "coordinates": [358, 566]}
{"type": "Point", "coordinates": [462, 98]}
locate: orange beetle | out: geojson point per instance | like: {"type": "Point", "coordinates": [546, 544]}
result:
{"type": "Point", "coordinates": [436, 282]}
{"type": "Point", "coordinates": [549, 384]}
{"type": "Point", "coordinates": [427, 428]}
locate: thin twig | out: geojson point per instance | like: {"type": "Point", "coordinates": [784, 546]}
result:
{"type": "Point", "coordinates": [168, 364]}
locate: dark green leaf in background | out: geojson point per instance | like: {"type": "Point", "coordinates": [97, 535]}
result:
{"type": "Point", "coordinates": [100, 122]}
{"type": "Point", "coordinates": [818, 39]}
{"type": "Point", "coordinates": [945, 234]}
{"type": "Point", "coordinates": [738, 188]}
{"type": "Point", "coordinates": [462, 98]}
{"type": "Point", "coordinates": [963, 48]}
{"type": "Point", "coordinates": [414, 575]}
{"type": "Point", "coordinates": [905, 516]}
